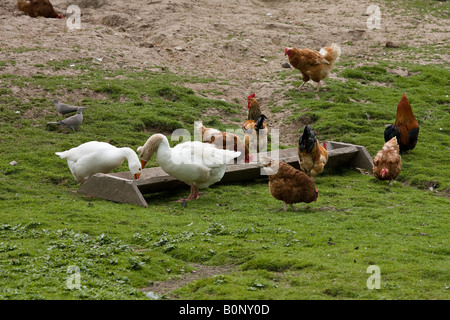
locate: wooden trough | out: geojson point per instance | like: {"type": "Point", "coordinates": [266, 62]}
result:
{"type": "Point", "coordinates": [120, 187]}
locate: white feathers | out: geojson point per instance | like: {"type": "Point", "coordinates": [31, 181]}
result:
{"type": "Point", "coordinates": [193, 162]}
{"type": "Point", "coordinates": [98, 157]}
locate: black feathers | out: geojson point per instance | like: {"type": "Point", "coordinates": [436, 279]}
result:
{"type": "Point", "coordinates": [260, 122]}
{"type": "Point", "coordinates": [307, 140]}
{"type": "Point", "coordinates": [390, 132]}
{"type": "Point", "coordinates": [393, 131]}
{"type": "Point", "coordinates": [405, 128]}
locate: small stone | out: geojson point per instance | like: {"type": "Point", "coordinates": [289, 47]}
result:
{"type": "Point", "coordinates": [390, 44]}
{"type": "Point", "coordinates": [151, 295]}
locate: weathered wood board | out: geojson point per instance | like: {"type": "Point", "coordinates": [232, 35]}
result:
{"type": "Point", "coordinates": [120, 187]}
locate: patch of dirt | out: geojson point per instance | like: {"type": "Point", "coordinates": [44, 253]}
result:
{"type": "Point", "coordinates": [445, 192]}
{"type": "Point", "coordinates": [240, 42]}
{"type": "Point", "coordinates": [161, 288]}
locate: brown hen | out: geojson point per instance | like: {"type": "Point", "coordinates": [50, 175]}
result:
{"type": "Point", "coordinates": [38, 8]}
{"type": "Point", "coordinates": [224, 140]}
{"type": "Point", "coordinates": [312, 64]}
{"type": "Point", "coordinates": [289, 184]}
{"type": "Point", "coordinates": [387, 164]}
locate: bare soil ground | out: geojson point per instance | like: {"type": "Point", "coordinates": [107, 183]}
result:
{"type": "Point", "coordinates": [200, 271]}
{"type": "Point", "coordinates": [240, 42]}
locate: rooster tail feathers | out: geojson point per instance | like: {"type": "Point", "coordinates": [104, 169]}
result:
{"type": "Point", "coordinates": [404, 112]}
{"type": "Point", "coordinates": [331, 53]}
{"type": "Point", "coordinates": [260, 122]}
{"type": "Point", "coordinates": [390, 132]}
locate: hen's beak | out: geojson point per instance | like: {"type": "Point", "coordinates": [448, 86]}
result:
{"type": "Point", "coordinates": [143, 163]}
{"type": "Point", "coordinates": [136, 176]}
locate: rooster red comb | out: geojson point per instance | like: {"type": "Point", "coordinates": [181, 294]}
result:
{"type": "Point", "coordinates": [251, 96]}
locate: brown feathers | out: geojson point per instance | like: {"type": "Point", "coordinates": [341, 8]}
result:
{"type": "Point", "coordinates": [255, 129]}
{"type": "Point", "coordinates": [387, 164]}
{"type": "Point", "coordinates": [224, 140]}
{"type": "Point", "coordinates": [312, 157]}
{"type": "Point", "coordinates": [254, 111]}
{"type": "Point", "coordinates": [289, 184]}
{"type": "Point", "coordinates": [38, 8]}
{"type": "Point", "coordinates": [312, 64]}
{"type": "Point", "coordinates": [406, 127]}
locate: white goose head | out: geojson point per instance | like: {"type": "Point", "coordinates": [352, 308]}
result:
{"type": "Point", "coordinates": [133, 162]}
{"type": "Point", "coordinates": [149, 148]}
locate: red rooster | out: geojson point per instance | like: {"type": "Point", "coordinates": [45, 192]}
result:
{"type": "Point", "coordinates": [255, 129]}
{"type": "Point", "coordinates": [406, 127]}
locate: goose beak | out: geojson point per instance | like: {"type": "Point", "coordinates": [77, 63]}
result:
{"type": "Point", "coordinates": [143, 163]}
{"type": "Point", "coordinates": [136, 176]}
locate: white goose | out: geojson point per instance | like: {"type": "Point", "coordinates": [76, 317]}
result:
{"type": "Point", "coordinates": [195, 163]}
{"type": "Point", "coordinates": [99, 157]}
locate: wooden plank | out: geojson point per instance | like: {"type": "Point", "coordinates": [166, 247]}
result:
{"type": "Point", "coordinates": [121, 187]}
{"type": "Point", "coordinates": [361, 159]}
{"type": "Point", "coordinates": [341, 156]}
{"type": "Point", "coordinates": [156, 180]}
{"type": "Point", "coordinates": [114, 188]}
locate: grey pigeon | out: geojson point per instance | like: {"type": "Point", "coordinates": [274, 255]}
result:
{"type": "Point", "coordinates": [72, 122]}
{"type": "Point", "coordinates": [64, 108]}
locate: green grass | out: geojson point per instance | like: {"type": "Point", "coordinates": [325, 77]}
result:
{"type": "Point", "coordinates": [320, 252]}
{"type": "Point", "coordinates": [419, 8]}
{"type": "Point", "coordinates": [358, 110]}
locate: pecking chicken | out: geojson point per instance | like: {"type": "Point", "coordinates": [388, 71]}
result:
{"type": "Point", "coordinates": [406, 127]}
{"type": "Point", "coordinates": [312, 157]}
{"type": "Point", "coordinates": [312, 64]}
{"type": "Point", "coordinates": [38, 8]}
{"type": "Point", "coordinates": [289, 184]}
{"type": "Point", "coordinates": [224, 140]}
{"type": "Point", "coordinates": [387, 164]}
{"type": "Point", "coordinates": [255, 128]}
